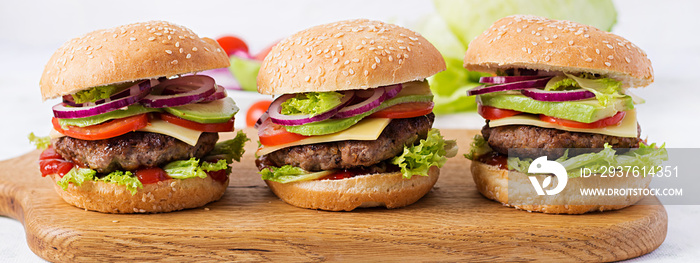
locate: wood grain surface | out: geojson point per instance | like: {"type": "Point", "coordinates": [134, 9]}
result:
{"type": "Point", "coordinates": [451, 223]}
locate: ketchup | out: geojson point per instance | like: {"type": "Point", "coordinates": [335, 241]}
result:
{"type": "Point", "coordinates": [219, 176]}
{"type": "Point", "coordinates": [495, 159]}
{"type": "Point", "coordinates": [151, 175]}
{"type": "Point", "coordinates": [50, 162]}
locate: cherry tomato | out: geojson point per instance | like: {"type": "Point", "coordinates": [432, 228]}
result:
{"type": "Point", "coordinates": [255, 111]}
{"type": "Point", "coordinates": [609, 121]}
{"type": "Point", "coordinates": [405, 110]}
{"type": "Point", "coordinates": [151, 175]}
{"type": "Point", "coordinates": [260, 56]}
{"type": "Point", "coordinates": [492, 113]}
{"type": "Point", "coordinates": [271, 134]}
{"type": "Point", "coordinates": [104, 130]}
{"type": "Point", "coordinates": [231, 44]}
{"type": "Point", "coordinates": [203, 127]}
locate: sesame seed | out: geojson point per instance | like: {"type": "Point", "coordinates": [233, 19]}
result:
{"type": "Point", "coordinates": [549, 42]}
{"type": "Point", "coordinates": [534, 43]}
{"type": "Point", "coordinates": [391, 58]}
{"type": "Point", "coordinates": [168, 51]}
{"type": "Point", "coordinates": [374, 66]}
{"type": "Point", "coordinates": [307, 79]}
{"type": "Point", "coordinates": [177, 44]}
{"type": "Point", "coordinates": [524, 49]}
{"type": "Point", "coordinates": [607, 64]}
{"type": "Point", "coordinates": [151, 38]}
{"type": "Point", "coordinates": [589, 59]}
{"type": "Point", "coordinates": [377, 60]}
{"type": "Point", "coordinates": [345, 73]}
{"type": "Point", "coordinates": [188, 55]}
{"type": "Point", "coordinates": [529, 51]}
{"type": "Point", "coordinates": [358, 47]}
{"type": "Point", "coordinates": [90, 56]}
{"type": "Point", "coordinates": [352, 72]}
{"type": "Point", "coordinates": [571, 42]}
{"type": "Point", "coordinates": [597, 51]}
{"type": "Point", "coordinates": [335, 60]}
{"type": "Point", "coordinates": [610, 46]}
{"type": "Point", "coordinates": [174, 62]}
{"type": "Point", "coordinates": [341, 53]}
{"type": "Point", "coordinates": [546, 58]}
{"type": "Point", "coordinates": [366, 72]}
{"type": "Point", "coordinates": [182, 50]}
{"type": "Point", "coordinates": [610, 57]}
{"type": "Point", "coordinates": [346, 62]}
{"type": "Point", "coordinates": [627, 59]}
{"type": "Point", "coordinates": [408, 48]}
{"type": "Point", "coordinates": [194, 49]}
{"type": "Point", "coordinates": [355, 60]}
{"type": "Point", "coordinates": [372, 48]}
{"type": "Point", "coordinates": [518, 30]}
{"type": "Point", "coordinates": [405, 55]}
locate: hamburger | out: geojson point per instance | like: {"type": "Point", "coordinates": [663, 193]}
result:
{"type": "Point", "coordinates": [351, 126]}
{"type": "Point", "coordinates": [135, 132]}
{"type": "Point", "coordinates": [560, 90]}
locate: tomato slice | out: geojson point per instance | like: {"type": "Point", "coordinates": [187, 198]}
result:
{"type": "Point", "coordinates": [104, 130]}
{"type": "Point", "coordinates": [55, 166]}
{"type": "Point", "coordinates": [405, 110]}
{"type": "Point", "coordinates": [271, 134]}
{"type": "Point", "coordinates": [49, 153]}
{"type": "Point", "coordinates": [609, 121]}
{"type": "Point", "coordinates": [492, 113]}
{"type": "Point", "coordinates": [203, 127]}
{"type": "Point", "coordinates": [255, 111]}
{"type": "Point", "coordinates": [231, 44]}
{"type": "Point", "coordinates": [151, 175]}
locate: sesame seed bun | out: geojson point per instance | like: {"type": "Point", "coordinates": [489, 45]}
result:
{"type": "Point", "coordinates": [494, 183]}
{"type": "Point", "coordinates": [351, 54]}
{"type": "Point", "coordinates": [127, 53]}
{"type": "Point", "coordinates": [163, 196]}
{"type": "Point", "coordinates": [557, 45]}
{"type": "Point", "coordinates": [388, 190]}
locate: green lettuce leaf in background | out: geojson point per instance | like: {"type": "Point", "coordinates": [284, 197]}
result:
{"type": "Point", "coordinates": [289, 174]}
{"type": "Point", "coordinates": [457, 22]}
{"type": "Point", "coordinates": [40, 142]}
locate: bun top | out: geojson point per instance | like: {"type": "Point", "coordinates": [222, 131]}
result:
{"type": "Point", "coordinates": [128, 53]}
{"type": "Point", "coordinates": [351, 54]}
{"type": "Point", "coordinates": [557, 45]}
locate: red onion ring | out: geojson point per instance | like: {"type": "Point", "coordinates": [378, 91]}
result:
{"type": "Point", "coordinates": [541, 82]}
{"type": "Point", "coordinates": [366, 105]}
{"type": "Point", "coordinates": [392, 91]}
{"type": "Point", "coordinates": [567, 95]}
{"type": "Point", "coordinates": [196, 88]}
{"type": "Point", "coordinates": [219, 93]}
{"type": "Point", "coordinates": [293, 120]}
{"type": "Point", "coordinates": [135, 93]}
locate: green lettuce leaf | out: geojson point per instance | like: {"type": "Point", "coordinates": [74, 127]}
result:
{"type": "Point", "coordinates": [605, 89]}
{"type": "Point", "coordinates": [126, 179]}
{"type": "Point", "coordinates": [644, 159]}
{"type": "Point", "coordinates": [479, 146]}
{"type": "Point", "coordinates": [40, 142]}
{"type": "Point", "coordinates": [76, 176]}
{"type": "Point", "coordinates": [213, 167]}
{"type": "Point", "coordinates": [431, 151]}
{"type": "Point", "coordinates": [230, 149]}
{"type": "Point", "coordinates": [312, 103]}
{"type": "Point", "coordinates": [288, 174]}
{"type": "Point", "coordinates": [561, 83]}
{"type": "Point", "coordinates": [185, 169]}
{"type": "Point", "coordinates": [246, 72]}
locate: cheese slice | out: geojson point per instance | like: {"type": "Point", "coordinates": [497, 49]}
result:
{"type": "Point", "coordinates": [626, 128]}
{"type": "Point", "coordinates": [163, 127]}
{"type": "Point", "coordinates": [367, 129]}
{"type": "Point", "coordinates": [159, 126]}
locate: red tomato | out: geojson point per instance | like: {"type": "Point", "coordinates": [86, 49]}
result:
{"type": "Point", "coordinates": [609, 121]}
{"type": "Point", "coordinates": [49, 153]}
{"type": "Point", "coordinates": [491, 113]}
{"type": "Point", "coordinates": [55, 166]}
{"type": "Point", "coordinates": [204, 127]}
{"type": "Point", "coordinates": [271, 134]}
{"type": "Point", "coordinates": [405, 110]}
{"type": "Point", "coordinates": [263, 53]}
{"type": "Point", "coordinates": [104, 130]}
{"type": "Point", "coordinates": [231, 44]}
{"type": "Point", "coordinates": [255, 111]}
{"type": "Point", "coordinates": [151, 175]}
{"type": "Point", "coordinates": [219, 176]}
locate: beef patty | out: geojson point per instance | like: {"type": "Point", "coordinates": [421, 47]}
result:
{"type": "Point", "coordinates": [350, 154]}
{"type": "Point", "coordinates": [533, 141]}
{"type": "Point", "coordinates": [131, 151]}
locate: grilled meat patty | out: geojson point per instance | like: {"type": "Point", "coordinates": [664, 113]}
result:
{"type": "Point", "coordinates": [533, 141]}
{"type": "Point", "coordinates": [350, 154]}
{"type": "Point", "coordinates": [131, 151]}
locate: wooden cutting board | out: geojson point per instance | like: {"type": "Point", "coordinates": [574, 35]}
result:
{"type": "Point", "coordinates": [451, 223]}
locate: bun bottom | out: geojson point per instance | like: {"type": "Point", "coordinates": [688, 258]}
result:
{"type": "Point", "coordinates": [494, 183]}
{"type": "Point", "coordinates": [164, 196]}
{"type": "Point", "coordinates": [388, 190]}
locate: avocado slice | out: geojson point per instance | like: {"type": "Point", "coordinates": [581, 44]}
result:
{"type": "Point", "coordinates": [586, 111]}
{"type": "Point", "coordinates": [217, 111]}
{"type": "Point", "coordinates": [134, 109]}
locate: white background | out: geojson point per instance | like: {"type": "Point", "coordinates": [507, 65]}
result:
{"type": "Point", "coordinates": [30, 31]}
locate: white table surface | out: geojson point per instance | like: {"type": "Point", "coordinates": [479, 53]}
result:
{"type": "Point", "coordinates": [30, 31]}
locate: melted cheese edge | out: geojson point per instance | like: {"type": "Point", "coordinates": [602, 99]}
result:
{"type": "Point", "coordinates": [160, 126]}
{"type": "Point", "coordinates": [626, 128]}
{"type": "Point", "coordinates": [367, 129]}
